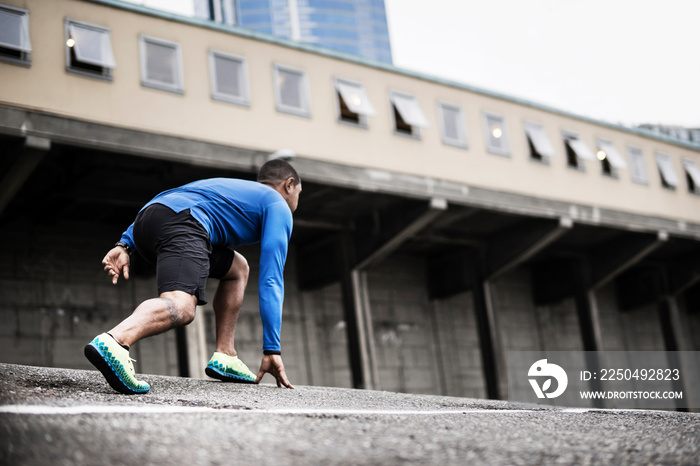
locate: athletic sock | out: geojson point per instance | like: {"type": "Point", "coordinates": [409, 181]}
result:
{"type": "Point", "coordinates": [123, 346]}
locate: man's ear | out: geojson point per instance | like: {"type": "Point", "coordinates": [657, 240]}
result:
{"type": "Point", "coordinates": [289, 185]}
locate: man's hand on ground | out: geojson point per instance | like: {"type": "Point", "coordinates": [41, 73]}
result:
{"type": "Point", "coordinates": [116, 261]}
{"type": "Point", "coordinates": [272, 363]}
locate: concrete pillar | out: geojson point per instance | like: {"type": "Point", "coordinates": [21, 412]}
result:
{"type": "Point", "coordinates": [589, 323]}
{"type": "Point", "coordinates": [197, 357]}
{"type": "Point", "coordinates": [671, 327]}
{"type": "Point", "coordinates": [363, 315]}
{"type": "Point", "coordinates": [353, 315]}
{"type": "Point", "coordinates": [489, 338]}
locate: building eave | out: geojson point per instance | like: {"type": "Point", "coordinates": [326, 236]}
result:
{"type": "Point", "coordinates": [22, 123]}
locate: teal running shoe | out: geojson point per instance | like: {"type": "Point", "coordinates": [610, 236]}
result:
{"type": "Point", "coordinates": [229, 369]}
{"type": "Point", "coordinates": [113, 360]}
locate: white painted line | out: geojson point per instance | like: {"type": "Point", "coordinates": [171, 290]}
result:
{"type": "Point", "coordinates": [163, 409]}
{"type": "Point", "coordinates": [612, 410]}
{"type": "Point", "coordinates": [394, 411]}
{"type": "Point", "coordinates": [160, 409]}
{"type": "Point", "coordinates": [103, 409]}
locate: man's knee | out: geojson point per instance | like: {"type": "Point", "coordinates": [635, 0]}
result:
{"type": "Point", "coordinates": [187, 315]}
{"type": "Point", "coordinates": [180, 306]}
{"type": "Point", "coordinates": [243, 268]}
{"type": "Point", "coordinates": [239, 268]}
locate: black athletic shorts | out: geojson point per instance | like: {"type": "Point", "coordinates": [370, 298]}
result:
{"type": "Point", "coordinates": [179, 248]}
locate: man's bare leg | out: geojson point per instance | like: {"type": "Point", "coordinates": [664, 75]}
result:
{"type": "Point", "coordinates": [227, 304]}
{"type": "Point", "coordinates": [172, 309]}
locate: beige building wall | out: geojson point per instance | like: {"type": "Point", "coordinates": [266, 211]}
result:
{"type": "Point", "coordinates": [124, 102]}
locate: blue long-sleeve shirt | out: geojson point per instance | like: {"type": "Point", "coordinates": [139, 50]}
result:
{"type": "Point", "coordinates": [236, 212]}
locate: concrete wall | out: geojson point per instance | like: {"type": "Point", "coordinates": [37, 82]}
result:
{"type": "Point", "coordinates": [314, 342]}
{"type": "Point", "coordinates": [404, 330]}
{"type": "Point", "coordinates": [457, 346]}
{"type": "Point", "coordinates": [125, 102]}
{"type": "Point", "coordinates": [526, 327]}
{"type": "Point", "coordinates": [634, 330]}
{"type": "Point", "coordinates": [690, 320]}
{"type": "Point", "coordinates": [55, 297]}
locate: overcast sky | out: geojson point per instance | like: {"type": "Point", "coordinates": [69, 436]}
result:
{"type": "Point", "coordinates": [622, 61]}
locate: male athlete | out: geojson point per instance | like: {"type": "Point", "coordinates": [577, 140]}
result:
{"type": "Point", "coordinates": [187, 233]}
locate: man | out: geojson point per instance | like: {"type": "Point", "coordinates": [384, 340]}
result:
{"type": "Point", "coordinates": [187, 233]}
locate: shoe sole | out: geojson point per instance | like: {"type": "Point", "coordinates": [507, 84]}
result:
{"type": "Point", "coordinates": [95, 357]}
{"type": "Point", "coordinates": [215, 374]}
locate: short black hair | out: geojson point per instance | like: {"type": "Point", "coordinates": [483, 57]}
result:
{"type": "Point", "coordinates": [276, 171]}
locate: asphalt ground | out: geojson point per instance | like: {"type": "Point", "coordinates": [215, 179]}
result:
{"type": "Point", "coordinates": [72, 417]}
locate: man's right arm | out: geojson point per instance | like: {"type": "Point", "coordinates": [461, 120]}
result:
{"type": "Point", "coordinates": [116, 262]}
{"type": "Point", "coordinates": [128, 237]}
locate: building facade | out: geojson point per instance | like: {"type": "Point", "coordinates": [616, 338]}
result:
{"type": "Point", "coordinates": [355, 27]}
{"type": "Point", "coordinates": [440, 227]}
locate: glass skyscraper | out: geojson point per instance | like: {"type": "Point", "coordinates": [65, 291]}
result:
{"type": "Point", "coordinates": [356, 27]}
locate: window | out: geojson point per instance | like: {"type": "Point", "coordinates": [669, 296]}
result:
{"type": "Point", "coordinates": [352, 102]}
{"type": "Point", "coordinates": [229, 78]}
{"type": "Point", "coordinates": [577, 152]}
{"type": "Point", "coordinates": [89, 50]}
{"type": "Point", "coordinates": [452, 125]}
{"type": "Point", "coordinates": [540, 147]}
{"type": "Point", "coordinates": [692, 176]}
{"type": "Point", "coordinates": [292, 91]}
{"type": "Point", "coordinates": [669, 179]}
{"type": "Point", "coordinates": [408, 117]}
{"type": "Point", "coordinates": [221, 11]}
{"type": "Point", "coordinates": [14, 36]}
{"type": "Point", "coordinates": [161, 65]}
{"type": "Point", "coordinates": [638, 167]}
{"type": "Point", "coordinates": [496, 134]}
{"type": "Point", "coordinates": [610, 159]}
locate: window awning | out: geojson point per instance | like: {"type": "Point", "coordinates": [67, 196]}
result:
{"type": "Point", "coordinates": [691, 168]}
{"type": "Point", "coordinates": [92, 46]}
{"type": "Point", "coordinates": [663, 161]}
{"type": "Point", "coordinates": [612, 154]}
{"type": "Point", "coordinates": [355, 98]}
{"type": "Point", "coordinates": [14, 30]}
{"type": "Point", "coordinates": [695, 135]}
{"type": "Point", "coordinates": [409, 110]}
{"type": "Point", "coordinates": [580, 148]}
{"type": "Point", "coordinates": [539, 139]}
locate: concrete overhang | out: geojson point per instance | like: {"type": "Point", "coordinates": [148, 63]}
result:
{"type": "Point", "coordinates": [23, 123]}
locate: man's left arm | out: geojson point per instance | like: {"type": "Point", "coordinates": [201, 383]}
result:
{"type": "Point", "coordinates": [276, 232]}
